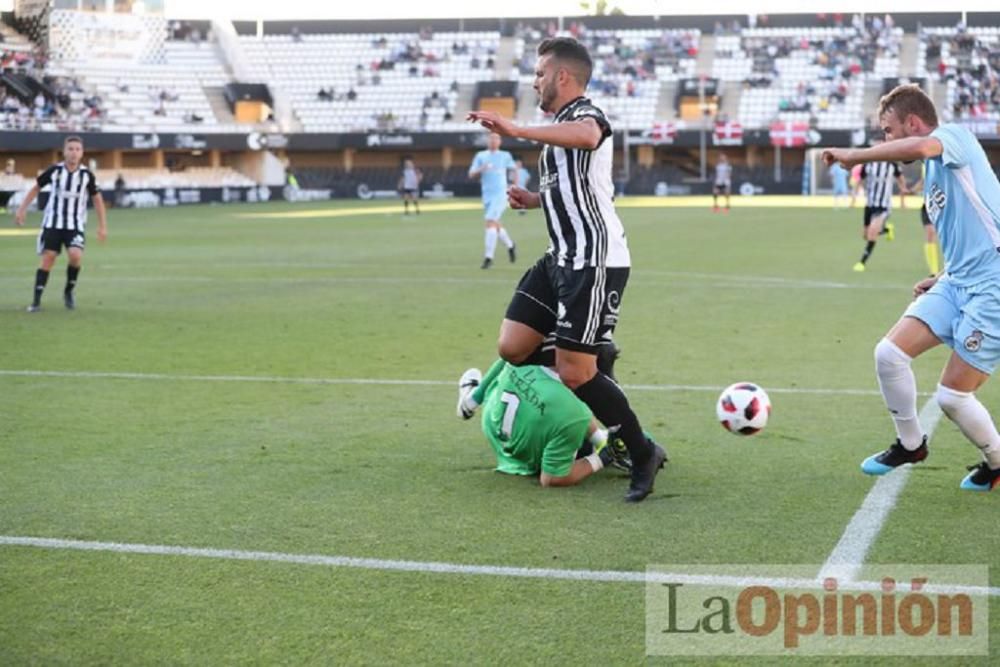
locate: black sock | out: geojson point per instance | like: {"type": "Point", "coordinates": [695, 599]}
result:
{"type": "Point", "coordinates": [885, 230]}
{"type": "Point", "coordinates": [41, 277]}
{"type": "Point", "coordinates": [416, 207]}
{"type": "Point", "coordinates": [71, 275]}
{"type": "Point", "coordinates": [610, 405]}
{"type": "Point", "coordinates": [406, 206]}
{"type": "Point", "coordinates": [868, 251]}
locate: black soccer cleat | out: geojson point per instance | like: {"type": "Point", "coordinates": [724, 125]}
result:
{"type": "Point", "coordinates": [892, 458]}
{"type": "Point", "coordinates": [512, 253]}
{"type": "Point", "coordinates": [69, 301]}
{"type": "Point", "coordinates": [644, 475]}
{"type": "Point", "coordinates": [487, 263]}
{"type": "Point", "coordinates": [981, 478]}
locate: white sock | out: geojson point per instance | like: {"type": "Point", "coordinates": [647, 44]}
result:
{"type": "Point", "coordinates": [899, 389]}
{"type": "Point", "coordinates": [491, 242]}
{"type": "Point", "coordinates": [505, 238]}
{"type": "Point", "coordinates": [973, 419]}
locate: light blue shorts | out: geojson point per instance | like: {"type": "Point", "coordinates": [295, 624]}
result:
{"type": "Point", "coordinates": [966, 319]}
{"type": "Point", "coordinates": [494, 207]}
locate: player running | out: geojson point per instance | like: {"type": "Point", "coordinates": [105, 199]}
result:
{"type": "Point", "coordinates": [877, 178]}
{"type": "Point", "coordinates": [960, 307]}
{"type": "Point", "coordinates": [493, 167]}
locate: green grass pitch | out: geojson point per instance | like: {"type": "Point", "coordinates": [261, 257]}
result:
{"type": "Point", "coordinates": [193, 451]}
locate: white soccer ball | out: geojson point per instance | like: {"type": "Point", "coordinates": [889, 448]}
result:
{"type": "Point", "coordinates": [743, 408]}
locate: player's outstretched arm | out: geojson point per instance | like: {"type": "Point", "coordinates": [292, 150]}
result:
{"type": "Point", "coordinates": [23, 208]}
{"type": "Point", "coordinates": [900, 150]}
{"type": "Point", "coordinates": [584, 133]}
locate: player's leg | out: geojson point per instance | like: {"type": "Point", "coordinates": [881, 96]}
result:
{"type": "Point", "coordinates": [715, 199]}
{"type": "Point", "coordinates": [416, 201]}
{"type": "Point", "coordinates": [727, 191]}
{"type": "Point", "coordinates": [532, 310]}
{"type": "Point", "coordinates": [490, 243]}
{"type": "Point", "coordinates": [588, 322]}
{"type": "Point", "coordinates": [499, 206]}
{"type": "Point", "coordinates": [406, 202]}
{"type": "Point", "coordinates": [74, 256]}
{"type": "Point", "coordinates": [873, 227]}
{"type": "Point", "coordinates": [926, 323]}
{"type": "Point", "coordinates": [49, 247]}
{"type": "Point", "coordinates": [976, 349]}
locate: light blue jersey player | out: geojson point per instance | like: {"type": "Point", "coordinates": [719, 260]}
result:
{"type": "Point", "coordinates": [961, 306]}
{"type": "Point", "coordinates": [520, 179]}
{"type": "Point", "coordinates": [492, 167]}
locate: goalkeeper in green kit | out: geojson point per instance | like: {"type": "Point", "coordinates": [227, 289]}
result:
{"type": "Point", "coordinates": [537, 426]}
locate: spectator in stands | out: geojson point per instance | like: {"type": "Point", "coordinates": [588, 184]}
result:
{"type": "Point", "coordinates": [351, 95]}
{"type": "Point", "coordinates": [296, 35]}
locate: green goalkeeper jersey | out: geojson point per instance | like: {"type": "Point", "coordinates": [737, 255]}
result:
{"type": "Point", "coordinates": [533, 422]}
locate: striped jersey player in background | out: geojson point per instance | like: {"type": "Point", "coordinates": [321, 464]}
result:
{"type": "Point", "coordinates": [877, 178]}
{"type": "Point", "coordinates": [65, 218]}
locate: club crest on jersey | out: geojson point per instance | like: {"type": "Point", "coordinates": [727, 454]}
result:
{"type": "Point", "coordinates": [974, 341]}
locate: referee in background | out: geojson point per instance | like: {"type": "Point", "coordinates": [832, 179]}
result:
{"type": "Point", "coordinates": [65, 218]}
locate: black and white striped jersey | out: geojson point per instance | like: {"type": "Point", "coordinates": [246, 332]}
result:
{"type": "Point", "coordinates": [68, 198]}
{"type": "Point", "coordinates": [878, 177]}
{"type": "Point", "coordinates": [577, 197]}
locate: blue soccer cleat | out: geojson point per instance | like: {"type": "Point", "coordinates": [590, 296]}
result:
{"type": "Point", "coordinates": [892, 458]}
{"type": "Point", "coordinates": [981, 478]}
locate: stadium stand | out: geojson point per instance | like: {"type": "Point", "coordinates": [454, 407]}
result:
{"type": "Point", "coordinates": [630, 67]}
{"type": "Point", "coordinates": [371, 81]}
{"type": "Point", "coordinates": [139, 178]}
{"type": "Point", "coordinates": [967, 61]}
{"type": "Point", "coordinates": [814, 74]}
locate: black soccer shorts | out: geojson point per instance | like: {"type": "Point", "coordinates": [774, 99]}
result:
{"type": "Point", "coordinates": [874, 212]}
{"type": "Point", "coordinates": [581, 306]}
{"type": "Point", "coordinates": [55, 239]}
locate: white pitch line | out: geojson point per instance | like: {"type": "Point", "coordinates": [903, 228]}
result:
{"type": "Point", "coordinates": [848, 557]}
{"type": "Point", "coordinates": [437, 567]}
{"type": "Point", "coordinates": [388, 382]}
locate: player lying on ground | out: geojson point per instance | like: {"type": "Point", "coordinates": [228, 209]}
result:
{"type": "Point", "coordinates": [960, 307]}
{"type": "Point", "coordinates": [537, 426]}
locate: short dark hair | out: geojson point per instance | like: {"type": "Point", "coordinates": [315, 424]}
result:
{"type": "Point", "coordinates": [568, 49]}
{"type": "Point", "coordinates": [909, 99]}
{"type": "Point", "coordinates": [72, 138]}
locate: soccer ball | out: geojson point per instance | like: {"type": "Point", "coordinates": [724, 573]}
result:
{"type": "Point", "coordinates": [743, 408]}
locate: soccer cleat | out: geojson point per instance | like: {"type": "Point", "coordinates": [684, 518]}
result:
{"type": "Point", "coordinates": [643, 476]}
{"type": "Point", "coordinates": [69, 300]}
{"type": "Point", "coordinates": [614, 453]}
{"type": "Point", "coordinates": [33, 308]}
{"type": "Point", "coordinates": [890, 231]}
{"type": "Point", "coordinates": [981, 478]}
{"type": "Point", "coordinates": [512, 253]}
{"type": "Point", "coordinates": [466, 385]}
{"type": "Point", "coordinates": [859, 267]}
{"type": "Point", "coordinates": [487, 263]}
{"type": "Point", "coordinates": [895, 456]}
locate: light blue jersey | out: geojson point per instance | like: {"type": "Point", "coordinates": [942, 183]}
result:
{"type": "Point", "coordinates": [523, 176]}
{"type": "Point", "coordinates": [839, 177]}
{"type": "Point", "coordinates": [494, 177]}
{"type": "Point", "coordinates": [962, 196]}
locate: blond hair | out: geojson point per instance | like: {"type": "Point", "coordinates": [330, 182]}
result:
{"type": "Point", "coordinates": [908, 99]}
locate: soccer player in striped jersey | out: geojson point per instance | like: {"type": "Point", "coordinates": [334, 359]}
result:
{"type": "Point", "coordinates": [576, 288]}
{"type": "Point", "coordinates": [961, 306]}
{"type": "Point", "coordinates": [64, 221]}
{"type": "Point", "coordinates": [877, 178]}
